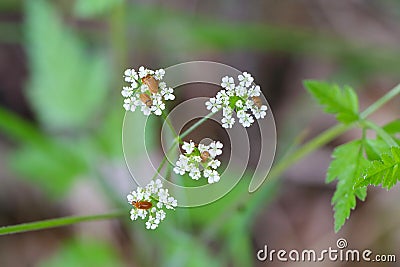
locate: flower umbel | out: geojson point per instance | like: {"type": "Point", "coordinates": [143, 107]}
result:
{"type": "Point", "coordinates": [198, 159]}
{"type": "Point", "coordinates": [150, 202]}
{"type": "Point", "coordinates": [240, 98]}
{"type": "Point", "coordinates": [146, 90]}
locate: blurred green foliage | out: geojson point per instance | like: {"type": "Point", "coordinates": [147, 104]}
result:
{"type": "Point", "coordinates": [92, 8]}
{"type": "Point", "coordinates": [63, 72]}
{"type": "Point", "coordinates": [73, 95]}
{"type": "Point", "coordinates": [88, 253]}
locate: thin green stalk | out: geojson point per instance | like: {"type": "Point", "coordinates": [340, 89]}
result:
{"type": "Point", "coordinates": [197, 124]}
{"type": "Point", "coordinates": [52, 223]}
{"type": "Point", "coordinates": [382, 133]}
{"type": "Point", "coordinates": [380, 102]}
{"type": "Point", "coordinates": [178, 139]}
{"type": "Point", "coordinates": [171, 127]}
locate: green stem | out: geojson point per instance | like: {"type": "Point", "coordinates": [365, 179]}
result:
{"type": "Point", "coordinates": [178, 139]}
{"type": "Point", "coordinates": [52, 223]}
{"type": "Point", "coordinates": [381, 101]}
{"type": "Point", "coordinates": [197, 124]}
{"type": "Point", "coordinates": [171, 127]}
{"type": "Point", "coordinates": [307, 148]}
{"type": "Point", "coordinates": [382, 133]}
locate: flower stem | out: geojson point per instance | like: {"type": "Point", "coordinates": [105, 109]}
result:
{"type": "Point", "coordinates": [197, 124]}
{"type": "Point", "coordinates": [171, 127]}
{"type": "Point", "coordinates": [381, 101]}
{"type": "Point", "coordinates": [52, 223]}
{"type": "Point", "coordinates": [379, 131]}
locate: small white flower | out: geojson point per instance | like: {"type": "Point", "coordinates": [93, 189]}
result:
{"type": "Point", "coordinates": [214, 163]}
{"type": "Point", "coordinates": [159, 74]}
{"type": "Point", "coordinates": [246, 120]}
{"type": "Point", "coordinates": [160, 215]}
{"type": "Point", "coordinates": [181, 165]}
{"type": "Point", "coordinates": [162, 85]}
{"type": "Point", "coordinates": [127, 104]}
{"type": "Point", "coordinates": [227, 111]}
{"type": "Point", "coordinates": [239, 104]}
{"type": "Point", "coordinates": [223, 98]}
{"type": "Point", "coordinates": [168, 93]}
{"type": "Point", "coordinates": [213, 105]}
{"type": "Point", "coordinates": [131, 76]}
{"type": "Point", "coordinates": [152, 223]}
{"type": "Point", "coordinates": [143, 72]}
{"type": "Point", "coordinates": [241, 91]}
{"type": "Point", "coordinates": [127, 91]}
{"type": "Point", "coordinates": [227, 122]}
{"type": "Point", "coordinates": [146, 110]}
{"type": "Point", "coordinates": [254, 91]}
{"type": "Point", "coordinates": [163, 195]}
{"type": "Point", "coordinates": [215, 149]}
{"type": "Point", "coordinates": [188, 147]}
{"type": "Point", "coordinates": [171, 203]}
{"type": "Point", "coordinates": [195, 174]}
{"type": "Point", "coordinates": [228, 83]}
{"type": "Point", "coordinates": [212, 176]}
{"type": "Point", "coordinates": [245, 79]}
{"type": "Point", "coordinates": [260, 113]}
{"type": "Point", "coordinates": [202, 148]}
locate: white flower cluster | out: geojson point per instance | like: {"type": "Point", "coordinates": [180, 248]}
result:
{"type": "Point", "coordinates": [200, 158]}
{"type": "Point", "coordinates": [146, 90]}
{"type": "Point", "coordinates": [241, 98]}
{"type": "Point", "coordinates": [150, 201]}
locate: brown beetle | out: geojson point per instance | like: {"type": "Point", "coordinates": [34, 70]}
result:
{"type": "Point", "coordinates": [204, 156]}
{"type": "Point", "coordinates": [257, 101]}
{"type": "Point", "coordinates": [142, 205]}
{"type": "Point", "coordinates": [145, 98]}
{"type": "Point", "coordinates": [151, 83]}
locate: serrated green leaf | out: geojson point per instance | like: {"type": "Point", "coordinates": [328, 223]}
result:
{"type": "Point", "coordinates": [67, 85]}
{"type": "Point", "coordinates": [346, 166]}
{"type": "Point", "coordinates": [341, 102]}
{"type": "Point", "coordinates": [385, 172]}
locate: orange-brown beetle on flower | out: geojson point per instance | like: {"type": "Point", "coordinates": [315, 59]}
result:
{"type": "Point", "coordinates": [142, 205]}
{"type": "Point", "coordinates": [145, 98]}
{"type": "Point", "coordinates": [151, 83]}
{"type": "Point", "coordinates": [257, 100]}
{"type": "Point", "coordinates": [204, 156]}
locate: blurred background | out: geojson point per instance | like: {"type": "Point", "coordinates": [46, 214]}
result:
{"type": "Point", "coordinates": [61, 65]}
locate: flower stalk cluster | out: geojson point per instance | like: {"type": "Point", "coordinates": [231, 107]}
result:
{"type": "Point", "coordinates": [149, 202]}
{"type": "Point", "coordinates": [200, 161]}
{"type": "Point", "coordinates": [241, 98]}
{"type": "Point", "coordinates": [146, 90]}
